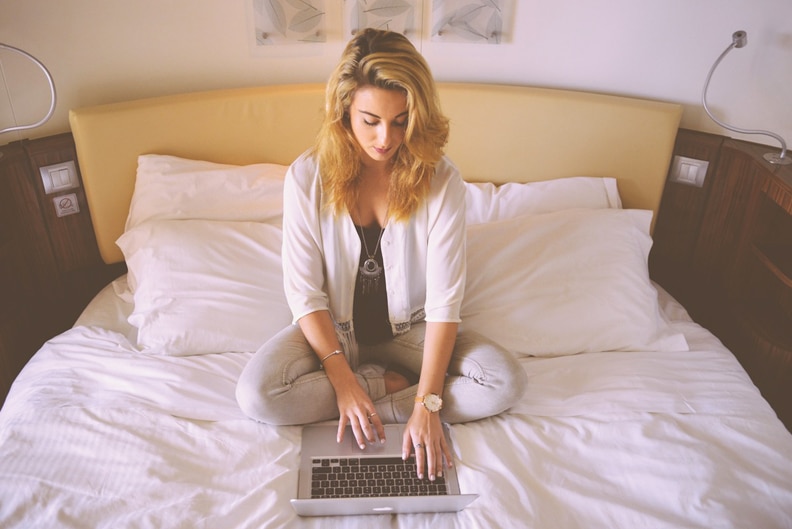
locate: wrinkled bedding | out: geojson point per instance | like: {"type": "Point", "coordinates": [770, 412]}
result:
{"type": "Point", "coordinates": [96, 434]}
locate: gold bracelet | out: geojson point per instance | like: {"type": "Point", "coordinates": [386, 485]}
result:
{"type": "Point", "coordinates": [336, 352]}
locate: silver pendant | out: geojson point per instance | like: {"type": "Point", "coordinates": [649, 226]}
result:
{"type": "Point", "coordinates": [370, 274]}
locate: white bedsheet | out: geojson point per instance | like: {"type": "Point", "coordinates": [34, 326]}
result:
{"type": "Point", "coordinates": [96, 434]}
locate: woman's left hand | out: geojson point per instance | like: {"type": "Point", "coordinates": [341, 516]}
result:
{"type": "Point", "coordinates": [424, 434]}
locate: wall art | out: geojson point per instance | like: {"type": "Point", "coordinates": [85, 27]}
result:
{"type": "Point", "coordinates": [289, 21]}
{"type": "Point", "coordinates": [471, 20]}
{"type": "Point", "coordinates": [403, 16]}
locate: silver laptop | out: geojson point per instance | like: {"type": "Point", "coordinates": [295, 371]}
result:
{"type": "Point", "coordinates": [342, 479]}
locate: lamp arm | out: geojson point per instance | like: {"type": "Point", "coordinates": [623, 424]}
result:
{"type": "Point", "coordinates": [731, 127]}
{"type": "Point", "coordinates": [53, 97]}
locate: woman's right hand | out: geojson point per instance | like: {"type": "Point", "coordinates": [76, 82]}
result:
{"type": "Point", "coordinates": [356, 409]}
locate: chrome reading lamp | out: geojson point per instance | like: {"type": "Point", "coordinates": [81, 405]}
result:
{"type": "Point", "coordinates": [739, 40]}
{"type": "Point", "coordinates": [51, 87]}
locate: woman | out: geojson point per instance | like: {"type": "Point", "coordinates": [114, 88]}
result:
{"type": "Point", "coordinates": [374, 270]}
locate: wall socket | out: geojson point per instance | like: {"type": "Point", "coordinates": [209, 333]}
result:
{"type": "Point", "coordinates": [689, 171]}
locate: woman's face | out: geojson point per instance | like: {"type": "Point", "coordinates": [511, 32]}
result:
{"type": "Point", "coordinates": [378, 117]}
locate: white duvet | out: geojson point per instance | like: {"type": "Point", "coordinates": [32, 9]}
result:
{"type": "Point", "coordinates": [97, 435]}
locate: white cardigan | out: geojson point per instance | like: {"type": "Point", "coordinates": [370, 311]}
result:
{"type": "Point", "coordinates": [423, 257]}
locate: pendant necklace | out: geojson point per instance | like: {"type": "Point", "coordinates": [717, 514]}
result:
{"type": "Point", "coordinates": [371, 270]}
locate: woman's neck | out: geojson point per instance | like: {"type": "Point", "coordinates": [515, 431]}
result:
{"type": "Point", "coordinates": [372, 204]}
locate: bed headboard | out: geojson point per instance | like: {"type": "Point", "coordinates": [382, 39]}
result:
{"type": "Point", "coordinates": [498, 133]}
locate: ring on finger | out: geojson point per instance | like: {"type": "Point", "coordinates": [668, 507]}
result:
{"type": "Point", "coordinates": [418, 445]}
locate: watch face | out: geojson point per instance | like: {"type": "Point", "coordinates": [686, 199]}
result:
{"type": "Point", "coordinates": [433, 402]}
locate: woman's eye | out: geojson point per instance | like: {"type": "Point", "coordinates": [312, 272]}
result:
{"type": "Point", "coordinates": [370, 123]}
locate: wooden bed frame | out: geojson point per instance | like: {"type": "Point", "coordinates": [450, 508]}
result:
{"type": "Point", "coordinates": [498, 134]}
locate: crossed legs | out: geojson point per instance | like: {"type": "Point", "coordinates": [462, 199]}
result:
{"type": "Point", "coordinates": [283, 382]}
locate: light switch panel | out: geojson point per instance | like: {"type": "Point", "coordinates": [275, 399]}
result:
{"type": "Point", "coordinates": [59, 177]}
{"type": "Point", "coordinates": [689, 171]}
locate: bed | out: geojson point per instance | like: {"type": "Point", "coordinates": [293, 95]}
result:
{"type": "Point", "coordinates": [635, 416]}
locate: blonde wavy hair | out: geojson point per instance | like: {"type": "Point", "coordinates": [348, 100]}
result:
{"type": "Point", "coordinates": [388, 60]}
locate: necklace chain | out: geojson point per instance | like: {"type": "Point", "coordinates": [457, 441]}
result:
{"type": "Point", "coordinates": [365, 246]}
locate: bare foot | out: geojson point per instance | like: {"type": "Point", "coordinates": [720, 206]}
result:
{"type": "Point", "coordinates": [395, 382]}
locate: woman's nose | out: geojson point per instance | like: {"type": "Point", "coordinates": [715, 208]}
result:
{"type": "Point", "coordinates": [384, 135]}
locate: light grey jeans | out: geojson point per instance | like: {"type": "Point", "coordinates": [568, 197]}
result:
{"type": "Point", "coordinates": [283, 383]}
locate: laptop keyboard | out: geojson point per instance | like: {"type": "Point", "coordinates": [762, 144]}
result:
{"type": "Point", "coordinates": [370, 477]}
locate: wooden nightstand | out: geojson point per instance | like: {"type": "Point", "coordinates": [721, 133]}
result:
{"type": "Point", "coordinates": [763, 293]}
{"type": "Point", "coordinates": [29, 284]}
{"type": "Point", "coordinates": [49, 265]}
{"type": "Point", "coordinates": [725, 251]}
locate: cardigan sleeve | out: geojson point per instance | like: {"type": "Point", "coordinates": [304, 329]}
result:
{"type": "Point", "coordinates": [303, 269]}
{"type": "Point", "coordinates": [445, 258]}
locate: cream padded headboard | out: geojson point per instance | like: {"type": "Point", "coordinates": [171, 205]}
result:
{"type": "Point", "coordinates": [498, 133]}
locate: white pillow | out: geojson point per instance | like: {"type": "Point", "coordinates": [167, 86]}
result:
{"type": "Point", "coordinates": [487, 202]}
{"type": "Point", "coordinates": [168, 187]}
{"type": "Point", "coordinates": [205, 286]}
{"type": "Point", "coordinates": [565, 282]}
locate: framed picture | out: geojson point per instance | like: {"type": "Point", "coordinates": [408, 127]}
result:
{"type": "Point", "coordinates": [483, 21]}
{"type": "Point", "coordinates": [289, 21]}
{"type": "Point", "coordinates": [402, 16]}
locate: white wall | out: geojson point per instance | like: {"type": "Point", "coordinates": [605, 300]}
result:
{"type": "Point", "coordinates": [111, 50]}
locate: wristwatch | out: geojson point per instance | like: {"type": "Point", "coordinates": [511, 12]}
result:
{"type": "Point", "coordinates": [432, 402]}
